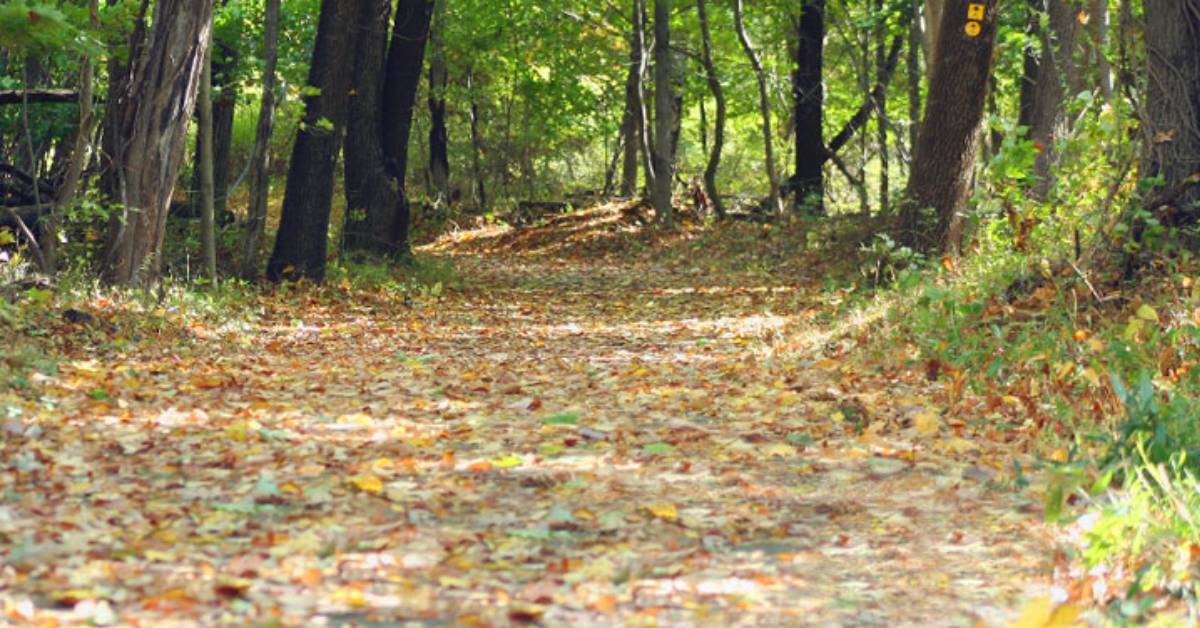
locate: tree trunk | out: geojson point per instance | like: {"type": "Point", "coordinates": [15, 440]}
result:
{"type": "Point", "coordinates": [764, 107]}
{"type": "Point", "coordinates": [150, 122]}
{"type": "Point", "coordinates": [933, 30]}
{"type": "Point", "coordinates": [914, 78]}
{"type": "Point", "coordinates": [81, 154]}
{"type": "Point", "coordinates": [439, 152]}
{"type": "Point", "coordinates": [223, 101]}
{"type": "Point", "coordinates": [371, 193]}
{"type": "Point", "coordinates": [807, 186]}
{"type": "Point", "coordinates": [301, 245]}
{"type": "Point", "coordinates": [1172, 122]}
{"type": "Point", "coordinates": [881, 47]}
{"type": "Point", "coordinates": [1102, 23]}
{"type": "Point", "coordinates": [631, 122]}
{"type": "Point", "coordinates": [664, 159]}
{"type": "Point", "coordinates": [477, 151]}
{"type": "Point", "coordinates": [1029, 69]}
{"type": "Point", "coordinates": [406, 58]}
{"type": "Point", "coordinates": [714, 86]}
{"type": "Point", "coordinates": [645, 132]}
{"type": "Point", "coordinates": [204, 135]}
{"type": "Point", "coordinates": [260, 176]}
{"type": "Point", "coordinates": [1048, 120]}
{"type": "Point", "coordinates": [943, 166]}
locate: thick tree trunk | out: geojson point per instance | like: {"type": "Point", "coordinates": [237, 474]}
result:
{"type": "Point", "coordinates": [260, 161]}
{"type": "Point", "coordinates": [764, 107]}
{"type": "Point", "coordinates": [664, 159]}
{"type": "Point", "coordinates": [149, 125]}
{"type": "Point", "coordinates": [807, 185]}
{"type": "Point", "coordinates": [439, 143]}
{"type": "Point", "coordinates": [943, 166]}
{"type": "Point", "coordinates": [406, 58]}
{"type": "Point", "coordinates": [1172, 122]}
{"type": "Point", "coordinates": [714, 86]}
{"type": "Point", "coordinates": [301, 245]}
{"type": "Point", "coordinates": [371, 193]}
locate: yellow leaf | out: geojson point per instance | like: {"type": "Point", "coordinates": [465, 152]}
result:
{"type": "Point", "coordinates": [238, 431]}
{"type": "Point", "coordinates": [1147, 313]}
{"type": "Point", "coordinates": [358, 419]}
{"type": "Point", "coordinates": [350, 597]}
{"type": "Point", "coordinates": [1035, 614]}
{"type": "Point", "coordinates": [508, 462]}
{"type": "Point", "coordinates": [1059, 455]}
{"type": "Point", "coordinates": [1041, 613]}
{"type": "Point", "coordinates": [927, 422]}
{"type": "Point", "coordinates": [664, 510]}
{"type": "Point", "coordinates": [783, 450]}
{"type": "Point", "coordinates": [367, 483]}
{"type": "Point", "coordinates": [1091, 376]}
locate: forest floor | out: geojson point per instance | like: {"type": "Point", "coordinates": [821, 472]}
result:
{"type": "Point", "coordinates": [586, 432]}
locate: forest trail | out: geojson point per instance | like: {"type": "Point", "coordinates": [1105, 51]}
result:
{"type": "Point", "coordinates": [583, 440]}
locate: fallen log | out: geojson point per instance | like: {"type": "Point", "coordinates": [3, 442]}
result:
{"type": "Point", "coordinates": [37, 96]}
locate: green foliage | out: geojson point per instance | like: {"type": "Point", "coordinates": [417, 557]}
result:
{"type": "Point", "coordinates": [1155, 431]}
{"type": "Point", "coordinates": [1142, 542]}
{"type": "Point", "coordinates": [39, 28]}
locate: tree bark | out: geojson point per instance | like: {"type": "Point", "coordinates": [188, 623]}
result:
{"type": "Point", "coordinates": [645, 132]}
{"type": "Point", "coordinates": [943, 166]}
{"type": "Point", "coordinates": [371, 193]}
{"type": "Point", "coordinates": [81, 154]}
{"type": "Point", "coordinates": [807, 185]}
{"type": "Point", "coordinates": [664, 158]}
{"type": "Point", "coordinates": [439, 143]}
{"type": "Point", "coordinates": [881, 110]}
{"type": "Point", "coordinates": [714, 86]}
{"type": "Point", "coordinates": [301, 245]}
{"type": "Point", "coordinates": [631, 122]}
{"type": "Point", "coordinates": [223, 101]}
{"type": "Point", "coordinates": [1048, 120]}
{"type": "Point", "coordinates": [204, 137]}
{"type": "Point", "coordinates": [1172, 122]}
{"type": "Point", "coordinates": [260, 176]}
{"type": "Point", "coordinates": [477, 150]}
{"type": "Point", "coordinates": [764, 107]}
{"type": "Point", "coordinates": [149, 125]}
{"type": "Point", "coordinates": [405, 60]}
{"type": "Point", "coordinates": [1103, 22]}
{"type": "Point", "coordinates": [914, 78]}
{"type": "Point", "coordinates": [933, 28]}
{"type": "Point", "coordinates": [1031, 63]}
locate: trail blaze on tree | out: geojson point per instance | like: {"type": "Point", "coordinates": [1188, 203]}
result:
{"type": "Point", "coordinates": [944, 161]}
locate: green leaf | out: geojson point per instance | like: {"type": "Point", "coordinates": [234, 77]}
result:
{"type": "Point", "coordinates": [658, 448]}
{"type": "Point", "coordinates": [566, 418]}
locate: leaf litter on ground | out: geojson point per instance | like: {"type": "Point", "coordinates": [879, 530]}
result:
{"type": "Point", "coordinates": [593, 438]}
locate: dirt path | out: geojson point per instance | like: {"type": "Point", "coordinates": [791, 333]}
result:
{"type": "Point", "coordinates": [572, 444]}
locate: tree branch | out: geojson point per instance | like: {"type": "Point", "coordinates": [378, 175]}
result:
{"type": "Point", "coordinates": [868, 107]}
{"type": "Point", "coordinates": [18, 96]}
